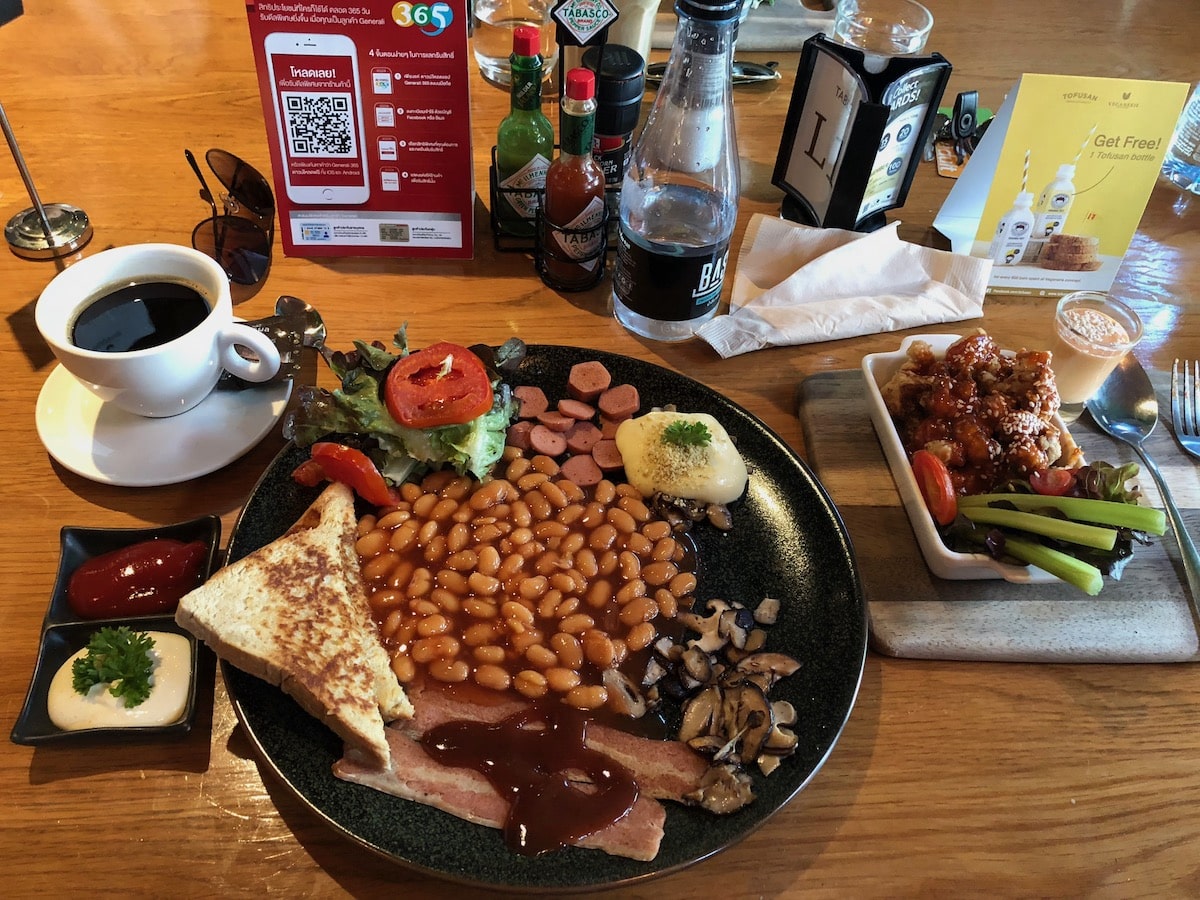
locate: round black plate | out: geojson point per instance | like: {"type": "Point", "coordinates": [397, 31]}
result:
{"type": "Point", "coordinates": [788, 541]}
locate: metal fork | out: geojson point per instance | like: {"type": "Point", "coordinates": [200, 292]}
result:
{"type": "Point", "coordinates": [1185, 404]}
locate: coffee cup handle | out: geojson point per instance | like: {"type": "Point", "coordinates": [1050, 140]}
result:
{"type": "Point", "coordinates": [259, 370]}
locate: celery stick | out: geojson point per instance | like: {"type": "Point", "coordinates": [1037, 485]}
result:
{"type": "Point", "coordinates": [1081, 509]}
{"type": "Point", "coordinates": [1074, 571]}
{"type": "Point", "coordinates": [1059, 529]}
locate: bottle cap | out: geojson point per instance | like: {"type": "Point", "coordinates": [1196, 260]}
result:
{"type": "Point", "coordinates": [1025, 198]}
{"type": "Point", "coordinates": [1066, 172]}
{"type": "Point", "coordinates": [581, 84]}
{"type": "Point", "coordinates": [710, 10]}
{"type": "Point", "coordinates": [620, 84]}
{"type": "Point", "coordinates": [527, 41]}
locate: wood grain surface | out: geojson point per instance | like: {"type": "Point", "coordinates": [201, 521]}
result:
{"type": "Point", "coordinates": [952, 778]}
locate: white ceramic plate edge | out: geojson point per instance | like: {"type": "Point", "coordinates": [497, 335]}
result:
{"type": "Point", "coordinates": [878, 368]}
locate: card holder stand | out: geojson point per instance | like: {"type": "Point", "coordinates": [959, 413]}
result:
{"type": "Point", "coordinates": [546, 253]}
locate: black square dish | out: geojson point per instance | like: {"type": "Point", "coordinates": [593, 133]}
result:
{"type": "Point", "coordinates": [64, 632]}
{"type": "Point", "coordinates": [59, 642]}
{"type": "Point", "coordinates": [78, 545]}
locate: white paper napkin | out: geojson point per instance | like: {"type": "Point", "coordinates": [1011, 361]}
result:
{"type": "Point", "coordinates": [797, 285]}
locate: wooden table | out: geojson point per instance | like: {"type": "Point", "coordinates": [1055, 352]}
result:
{"type": "Point", "coordinates": [950, 778]}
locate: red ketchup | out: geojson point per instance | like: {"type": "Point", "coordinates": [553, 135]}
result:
{"type": "Point", "coordinates": [141, 579]}
{"type": "Point", "coordinates": [532, 758]}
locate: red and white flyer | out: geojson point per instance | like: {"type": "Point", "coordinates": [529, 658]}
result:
{"type": "Point", "coordinates": [368, 117]}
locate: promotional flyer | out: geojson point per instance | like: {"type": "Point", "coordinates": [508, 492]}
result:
{"type": "Point", "coordinates": [1057, 186]}
{"type": "Point", "coordinates": [367, 110]}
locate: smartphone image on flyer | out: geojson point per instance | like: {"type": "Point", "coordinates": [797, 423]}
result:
{"type": "Point", "coordinates": [318, 111]}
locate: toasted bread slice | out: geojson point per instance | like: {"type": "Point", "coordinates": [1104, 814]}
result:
{"type": "Point", "coordinates": [295, 613]}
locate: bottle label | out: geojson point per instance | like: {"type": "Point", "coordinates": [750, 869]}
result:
{"type": "Point", "coordinates": [669, 287]}
{"type": "Point", "coordinates": [523, 188]}
{"type": "Point", "coordinates": [581, 239]}
{"type": "Point", "coordinates": [611, 151]}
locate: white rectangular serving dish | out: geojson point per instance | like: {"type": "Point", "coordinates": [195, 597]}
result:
{"type": "Point", "coordinates": [878, 369]}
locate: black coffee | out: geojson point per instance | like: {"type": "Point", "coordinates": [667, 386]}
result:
{"type": "Point", "coordinates": [139, 316]}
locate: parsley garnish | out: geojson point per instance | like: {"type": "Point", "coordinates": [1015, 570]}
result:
{"type": "Point", "coordinates": [687, 434]}
{"type": "Point", "coordinates": [120, 656]}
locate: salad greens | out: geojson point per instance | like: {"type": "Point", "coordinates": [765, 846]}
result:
{"type": "Point", "coordinates": [1080, 536]}
{"type": "Point", "coordinates": [357, 409]}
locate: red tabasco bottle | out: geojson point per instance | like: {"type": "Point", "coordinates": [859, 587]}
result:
{"type": "Point", "coordinates": [573, 237]}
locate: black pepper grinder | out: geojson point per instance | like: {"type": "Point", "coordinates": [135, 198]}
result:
{"type": "Point", "coordinates": [620, 84]}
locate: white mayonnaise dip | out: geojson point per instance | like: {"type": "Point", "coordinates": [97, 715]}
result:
{"type": "Point", "coordinates": [170, 677]}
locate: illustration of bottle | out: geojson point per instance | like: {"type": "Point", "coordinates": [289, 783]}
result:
{"type": "Point", "coordinates": [679, 199]}
{"type": "Point", "coordinates": [572, 242]}
{"type": "Point", "coordinates": [524, 140]}
{"type": "Point", "coordinates": [1013, 232]}
{"type": "Point", "coordinates": [1054, 203]}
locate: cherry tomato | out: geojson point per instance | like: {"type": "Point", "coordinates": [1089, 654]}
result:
{"type": "Point", "coordinates": [353, 467]}
{"type": "Point", "coordinates": [441, 385]}
{"type": "Point", "coordinates": [933, 478]}
{"type": "Point", "coordinates": [1052, 482]}
{"type": "Point", "coordinates": [141, 579]}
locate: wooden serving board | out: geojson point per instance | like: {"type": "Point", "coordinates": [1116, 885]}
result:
{"type": "Point", "coordinates": [1144, 617]}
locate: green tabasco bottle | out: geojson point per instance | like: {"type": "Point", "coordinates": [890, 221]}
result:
{"type": "Point", "coordinates": [524, 141]}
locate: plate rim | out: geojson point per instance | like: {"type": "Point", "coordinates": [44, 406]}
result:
{"type": "Point", "coordinates": [858, 619]}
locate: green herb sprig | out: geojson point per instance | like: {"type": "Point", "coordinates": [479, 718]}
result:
{"type": "Point", "coordinates": [119, 656]}
{"type": "Point", "coordinates": [687, 434]}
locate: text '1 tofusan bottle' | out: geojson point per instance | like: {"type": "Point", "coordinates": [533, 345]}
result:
{"type": "Point", "coordinates": [524, 140]}
{"type": "Point", "coordinates": [572, 242]}
{"type": "Point", "coordinates": [679, 198]}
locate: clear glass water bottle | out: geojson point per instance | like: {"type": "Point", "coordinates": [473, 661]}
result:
{"type": "Point", "coordinates": [679, 198]}
{"type": "Point", "coordinates": [1182, 164]}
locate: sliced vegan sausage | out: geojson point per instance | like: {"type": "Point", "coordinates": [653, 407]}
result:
{"type": "Point", "coordinates": [608, 427]}
{"type": "Point", "coordinates": [548, 442]}
{"type": "Point", "coordinates": [620, 402]}
{"type": "Point", "coordinates": [607, 456]}
{"type": "Point", "coordinates": [582, 470]}
{"type": "Point", "coordinates": [518, 435]}
{"type": "Point", "coordinates": [588, 380]}
{"type": "Point", "coordinates": [576, 409]}
{"type": "Point", "coordinates": [582, 437]}
{"type": "Point", "coordinates": [532, 399]}
{"type": "Point", "coordinates": [555, 421]}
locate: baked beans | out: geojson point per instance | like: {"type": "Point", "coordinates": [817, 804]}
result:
{"type": "Point", "coordinates": [527, 583]}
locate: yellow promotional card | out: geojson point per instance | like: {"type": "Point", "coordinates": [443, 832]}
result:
{"type": "Point", "coordinates": [1057, 187]}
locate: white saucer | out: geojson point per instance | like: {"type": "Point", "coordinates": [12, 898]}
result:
{"type": "Point", "coordinates": [104, 443]}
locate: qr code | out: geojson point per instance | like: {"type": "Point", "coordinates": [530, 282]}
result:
{"type": "Point", "coordinates": [320, 124]}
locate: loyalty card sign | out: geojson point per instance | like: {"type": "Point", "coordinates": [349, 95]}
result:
{"type": "Point", "coordinates": [368, 119]}
{"type": "Point", "coordinates": [1057, 186]}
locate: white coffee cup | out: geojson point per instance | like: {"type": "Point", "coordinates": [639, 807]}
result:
{"type": "Point", "coordinates": [171, 377]}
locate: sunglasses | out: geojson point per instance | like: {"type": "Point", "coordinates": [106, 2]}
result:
{"type": "Point", "coordinates": [240, 239]}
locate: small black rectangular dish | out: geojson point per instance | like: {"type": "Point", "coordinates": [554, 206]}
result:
{"type": "Point", "coordinates": [77, 545]}
{"type": "Point", "coordinates": [59, 642]}
{"type": "Point", "coordinates": [64, 633]}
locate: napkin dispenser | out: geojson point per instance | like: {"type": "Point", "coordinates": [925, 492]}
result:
{"type": "Point", "coordinates": [853, 137]}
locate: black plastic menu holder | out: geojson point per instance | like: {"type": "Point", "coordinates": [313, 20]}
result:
{"type": "Point", "coordinates": [852, 138]}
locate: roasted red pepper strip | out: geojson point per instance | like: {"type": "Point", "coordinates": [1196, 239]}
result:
{"type": "Point", "coordinates": [353, 467]}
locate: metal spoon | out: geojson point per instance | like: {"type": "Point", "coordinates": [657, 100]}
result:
{"type": "Point", "coordinates": [1126, 408]}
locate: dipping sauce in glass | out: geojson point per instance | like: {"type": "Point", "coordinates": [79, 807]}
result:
{"type": "Point", "coordinates": [1093, 331]}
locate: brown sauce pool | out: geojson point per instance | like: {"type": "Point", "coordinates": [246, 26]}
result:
{"type": "Point", "coordinates": [559, 790]}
